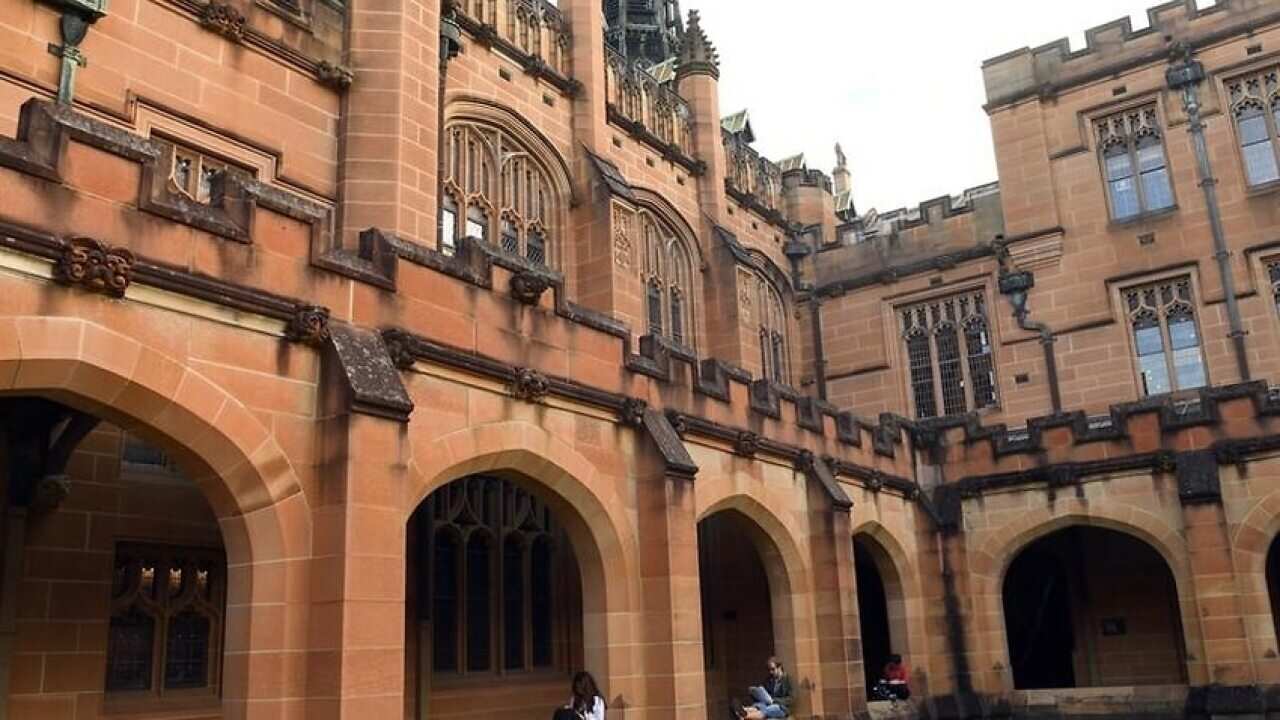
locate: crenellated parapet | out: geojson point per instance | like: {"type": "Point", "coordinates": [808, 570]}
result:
{"type": "Point", "coordinates": [534, 32]}
{"type": "Point", "coordinates": [1115, 47]}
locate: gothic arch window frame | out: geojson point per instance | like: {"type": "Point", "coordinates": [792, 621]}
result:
{"type": "Point", "coordinates": [503, 515]}
{"type": "Point", "coordinates": [1160, 311]}
{"type": "Point", "coordinates": [670, 265]}
{"type": "Point", "coordinates": [1145, 178]}
{"type": "Point", "coordinates": [1256, 90]}
{"type": "Point", "coordinates": [512, 188]}
{"type": "Point", "coordinates": [773, 327]}
{"type": "Point", "coordinates": [948, 350]}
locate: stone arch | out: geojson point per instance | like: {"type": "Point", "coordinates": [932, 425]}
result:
{"type": "Point", "coordinates": [777, 542]}
{"type": "Point", "coordinates": [893, 562]}
{"type": "Point", "coordinates": [242, 471]}
{"type": "Point", "coordinates": [581, 497]}
{"type": "Point", "coordinates": [658, 205]}
{"type": "Point", "coordinates": [989, 565]}
{"type": "Point", "coordinates": [1251, 541]}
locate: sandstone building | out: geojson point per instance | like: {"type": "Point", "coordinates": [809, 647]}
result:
{"type": "Point", "coordinates": [398, 358]}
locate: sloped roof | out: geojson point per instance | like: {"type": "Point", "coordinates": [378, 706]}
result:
{"type": "Point", "coordinates": [795, 162]}
{"type": "Point", "coordinates": [739, 122]}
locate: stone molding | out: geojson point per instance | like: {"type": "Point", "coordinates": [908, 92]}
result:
{"type": "Point", "coordinates": [96, 267]}
{"type": "Point", "coordinates": [371, 384]}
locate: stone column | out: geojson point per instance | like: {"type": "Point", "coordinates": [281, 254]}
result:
{"type": "Point", "coordinates": [390, 116]}
{"type": "Point", "coordinates": [835, 599]}
{"type": "Point", "coordinates": [668, 524]}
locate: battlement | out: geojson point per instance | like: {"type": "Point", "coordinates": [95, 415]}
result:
{"type": "Point", "coordinates": [1116, 47]}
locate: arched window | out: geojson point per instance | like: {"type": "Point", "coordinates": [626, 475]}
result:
{"type": "Point", "coordinates": [509, 197]}
{"type": "Point", "coordinates": [493, 575]}
{"type": "Point", "coordinates": [1255, 104]}
{"type": "Point", "coordinates": [668, 276]}
{"type": "Point", "coordinates": [775, 356]}
{"type": "Point", "coordinates": [1134, 165]}
{"type": "Point", "coordinates": [950, 365]}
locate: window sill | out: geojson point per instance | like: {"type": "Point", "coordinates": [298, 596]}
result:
{"type": "Point", "coordinates": [1146, 217]}
{"type": "Point", "coordinates": [144, 705]}
{"type": "Point", "coordinates": [1262, 190]}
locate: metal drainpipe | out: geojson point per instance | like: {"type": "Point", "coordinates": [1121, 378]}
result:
{"type": "Point", "coordinates": [1016, 284]}
{"type": "Point", "coordinates": [819, 354]}
{"type": "Point", "coordinates": [1185, 75]}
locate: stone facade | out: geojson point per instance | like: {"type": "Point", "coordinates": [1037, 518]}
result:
{"type": "Point", "coordinates": [395, 358]}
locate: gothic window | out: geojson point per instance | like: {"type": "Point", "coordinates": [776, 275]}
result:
{"type": "Point", "coordinates": [668, 276]}
{"type": "Point", "coordinates": [165, 631]}
{"type": "Point", "coordinates": [1255, 105]}
{"type": "Point", "coordinates": [195, 174]}
{"type": "Point", "coordinates": [493, 574]}
{"type": "Point", "coordinates": [1273, 275]}
{"type": "Point", "coordinates": [775, 355]}
{"type": "Point", "coordinates": [950, 366]}
{"type": "Point", "coordinates": [1166, 340]}
{"type": "Point", "coordinates": [1133, 162]}
{"type": "Point", "coordinates": [509, 199]}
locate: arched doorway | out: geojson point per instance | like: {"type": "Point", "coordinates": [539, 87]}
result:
{"type": "Point", "coordinates": [1273, 581]}
{"type": "Point", "coordinates": [115, 577]}
{"type": "Point", "coordinates": [1092, 607]}
{"type": "Point", "coordinates": [882, 613]}
{"type": "Point", "coordinates": [495, 597]}
{"type": "Point", "coordinates": [741, 606]}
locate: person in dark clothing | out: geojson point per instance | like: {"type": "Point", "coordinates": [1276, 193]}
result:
{"type": "Point", "coordinates": [893, 683]}
{"type": "Point", "coordinates": [771, 700]}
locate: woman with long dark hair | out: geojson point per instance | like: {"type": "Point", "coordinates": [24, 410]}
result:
{"type": "Point", "coordinates": [587, 702]}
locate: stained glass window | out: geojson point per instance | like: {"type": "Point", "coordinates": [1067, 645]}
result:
{"type": "Point", "coordinates": [166, 618]}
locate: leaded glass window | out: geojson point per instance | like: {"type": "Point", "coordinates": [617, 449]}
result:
{"type": "Point", "coordinates": [1273, 275]}
{"type": "Point", "coordinates": [1134, 164]}
{"type": "Point", "coordinates": [775, 352]}
{"type": "Point", "coordinates": [667, 271]}
{"type": "Point", "coordinates": [1166, 340]}
{"type": "Point", "coordinates": [950, 362]}
{"type": "Point", "coordinates": [1255, 105]}
{"type": "Point", "coordinates": [165, 631]}
{"type": "Point", "coordinates": [492, 554]}
{"type": "Point", "coordinates": [507, 192]}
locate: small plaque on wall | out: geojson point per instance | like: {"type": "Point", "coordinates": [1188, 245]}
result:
{"type": "Point", "coordinates": [1112, 627]}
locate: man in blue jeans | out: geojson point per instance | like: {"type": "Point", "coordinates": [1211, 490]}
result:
{"type": "Point", "coordinates": [773, 699]}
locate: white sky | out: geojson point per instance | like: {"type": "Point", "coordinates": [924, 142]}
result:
{"type": "Point", "coordinates": [897, 82]}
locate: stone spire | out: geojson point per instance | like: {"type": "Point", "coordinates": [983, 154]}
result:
{"type": "Point", "coordinates": [647, 33]}
{"type": "Point", "coordinates": [697, 54]}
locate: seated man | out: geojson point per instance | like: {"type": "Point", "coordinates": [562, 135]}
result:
{"type": "Point", "coordinates": [893, 684]}
{"type": "Point", "coordinates": [773, 699]}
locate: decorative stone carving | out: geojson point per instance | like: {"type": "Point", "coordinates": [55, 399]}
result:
{"type": "Point", "coordinates": [875, 483]}
{"type": "Point", "coordinates": [527, 287]}
{"type": "Point", "coordinates": [223, 19]}
{"type": "Point", "coordinates": [622, 246]}
{"type": "Point", "coordinates": [95, 266]}
{"type": "Point", "coordinates": [400, 348]}
{"type": "Point", "coordinates": [678, 422]}
{"type": "Point", "coordinates": [310, 325]}
{"type": "Point", "coordinates": [633, 410]}
{"type": "Point", "coordinates": [1165, 461]}
{"type": "Point", "coordinates": [747, 444]}
{"type": "Point", "coordinates": [49, 493]}
{"type": "Point", "coordinates": [336, 76]}
{"type": "Point", "coordinates": [530, 385]}
{"type": "Point", "coordinates": [746, 282]}
{"type": "Point", "coordinates": [806, 461]}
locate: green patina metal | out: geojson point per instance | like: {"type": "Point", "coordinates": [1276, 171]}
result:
{"type": "Point", "coordinates": [77, 16]}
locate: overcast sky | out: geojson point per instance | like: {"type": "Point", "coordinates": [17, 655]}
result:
{"type": "Point", "coordinates": [897, 82]}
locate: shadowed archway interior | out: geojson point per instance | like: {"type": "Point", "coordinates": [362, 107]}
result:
{"type": "Point", "coordinates": [1092, 607]}
{"type": "Point", "coordinates": [495, 597]}
{"type": "Point", "coordinates": [873, 609]}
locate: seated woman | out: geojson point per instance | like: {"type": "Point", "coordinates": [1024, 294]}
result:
{"type": "Point", "coordinates": [773, 698]}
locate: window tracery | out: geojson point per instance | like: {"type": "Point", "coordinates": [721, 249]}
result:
{"type": "Point", "coordinates": [950, 365]}
{"type": "Point", "coordinates": [492, 551]}
{"type": "Point", "coordinates": [775, 353]}
{"type": "Point", "coordinates": [1166, 339]}
{"type": "Point", "coordinates": [1255, 105]}
{"type": "Point", "coordinates": [1134, 165]}
{"type": "Point", "coordinates": [668, 277]}
{"type": "Point", "coordinates": [495, 190]}
{"type": "Point", "coordinates": [165, 632]}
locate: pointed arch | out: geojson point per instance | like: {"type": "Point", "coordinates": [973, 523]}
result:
{"type": "Point", "coordinates": [671, 285]}
{"type": "Point", "coordinates": [504, 182]}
